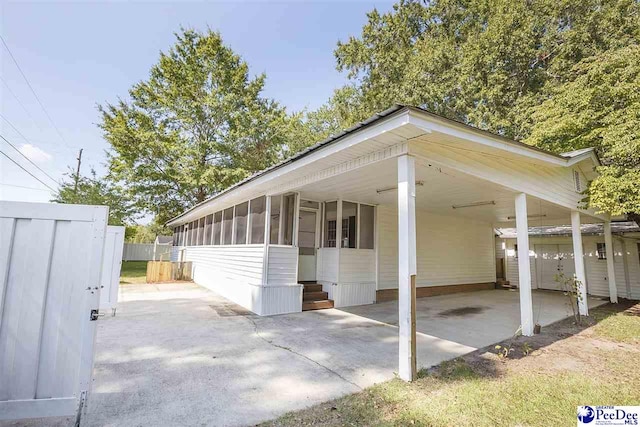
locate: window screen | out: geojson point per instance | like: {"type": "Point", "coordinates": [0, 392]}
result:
{"type": "Point", "coordinates": [228, 226]}
{"type": "Point", "coordinates": [275, 220]}
{"type": "Point", "coordinates": [208, 228]}
{"type": "Point", "coordinates": [257, 220]}
{"type": "Point", "coordinates": [241, 223]}
{"type": "Point", "coordinates": [366, 227]}
{"type": "Point", "coordinates": [349, 214]}
{"type": "Point", "coordinates": [330, 232]}
{"type": "Point", "coordinates": [288, 209]}
{"type": "Point", "coordinates": [201, 231]}
{"type": "Point", "coordinates": [217, 227]}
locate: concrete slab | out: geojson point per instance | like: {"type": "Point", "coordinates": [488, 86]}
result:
{"type": "Point", "coordinates": [178, 354]}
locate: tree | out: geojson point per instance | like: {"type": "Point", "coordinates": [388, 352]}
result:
{"type": "Point", "coordinates": [93, 191]}
{"type": "Point", "coordinates": [599, 107]}
{"type": "Point", "coordinates": [195, 127]}
{"type": "Point", "coordinates": [482, 62]}
{"type": "Point", "coordinates": [146, 233]}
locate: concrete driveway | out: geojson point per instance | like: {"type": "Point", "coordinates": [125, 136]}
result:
{"type": "Point", "coordinates": [178, 354]}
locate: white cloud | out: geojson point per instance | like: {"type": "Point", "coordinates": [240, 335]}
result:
{"type": "Point", "coordinates": [34, 153]}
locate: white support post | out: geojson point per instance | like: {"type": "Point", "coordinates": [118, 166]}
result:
{"type": "Point", "coordinates": [611, 271]}
{"type": "Point", "coordinates": [296, 220]}
{"type": "Point", "coordinates": [524, 266]}
{"type": "Point", "coordinates": [247, 238]}
{"type": "Point", "coordinates": [407, 267]}
{"type": "Point", "coordinates": [578, 258]}
{"type": "Point", "coordinates": [281, 221]}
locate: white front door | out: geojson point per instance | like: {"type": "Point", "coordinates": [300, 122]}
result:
{"type": "Point", "coordinates": [307, 245]}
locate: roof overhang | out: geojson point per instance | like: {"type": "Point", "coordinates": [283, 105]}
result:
{"type": "Point", "coordinates": [387, 130]}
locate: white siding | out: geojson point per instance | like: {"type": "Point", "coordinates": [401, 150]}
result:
{"type": "Point", "coordinates": [596, 269]}
{"type": "Point", "coordinates": [235, 272]}
{"type": "Point", "coordinates": [282, 266]}
{"type": "Point", "coordinates": [281, 299]}
{"type": "Point", "coordinates": [450, 251]}
{"type": "Point", "coordinates": [512, 264]}
{"type": "Point", "coordinates": [357, 282]}
{"type": "Point", "coordinates": [327, 266]}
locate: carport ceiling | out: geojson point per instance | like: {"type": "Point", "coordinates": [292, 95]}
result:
{"type": "Point", "coordinates": [442, 189]}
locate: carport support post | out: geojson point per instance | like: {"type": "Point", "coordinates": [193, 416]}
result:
{"type": "Point", "coordinates": [407, 268]}
{"type": "Point", "coordinates": [524, 266]}
{"type": "Point", "coordinates": [578, 258]}
{"type": "Point", "coordinates": [611, 272]}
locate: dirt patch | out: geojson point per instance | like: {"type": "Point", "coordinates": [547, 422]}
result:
{"type": "Point", "coordinates": [230, 310]}
{"type": "Point", "coordinates": [462, 311]}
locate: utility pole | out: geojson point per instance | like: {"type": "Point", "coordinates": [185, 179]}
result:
{"type": "Point", "coordinates": [77, 177]}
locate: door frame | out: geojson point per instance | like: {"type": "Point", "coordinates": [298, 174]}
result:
{"type": "Point", "coordinates": [318, 213]}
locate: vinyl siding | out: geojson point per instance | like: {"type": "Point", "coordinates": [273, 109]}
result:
{"type": "Point", "coordinates": [282, 267]}
{"type": "Point", "coordinates": [596, 269]}
{"type": "Point", "coordinates": [235, 272]}
{"type": "Point", "coordinates": [450, 251]}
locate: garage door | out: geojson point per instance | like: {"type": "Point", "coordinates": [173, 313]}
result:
{"type": "Point", "coordinates": [552, 260]}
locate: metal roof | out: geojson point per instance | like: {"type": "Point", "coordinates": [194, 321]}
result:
{"type": "Point", "coordinates": [565, 230]}
{"type": "Point", "coordinates": [376, 117]}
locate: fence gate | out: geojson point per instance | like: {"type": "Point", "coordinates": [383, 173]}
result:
{"type": "Point", "coordinates": [50, 262]}
{"type": "Point", "coordinates": [111, 264]}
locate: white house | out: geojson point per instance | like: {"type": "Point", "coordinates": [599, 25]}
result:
{"type": "Point", "coordinates": [404, 199]}
{"type": "Point", "coordinates": [551, 252]}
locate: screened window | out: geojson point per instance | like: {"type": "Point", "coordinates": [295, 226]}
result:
{"type": "Point", "coordinates": [208, 226]}
{"type": "Point", "coordinates": [227, 222]}
{"type": "Point", "coordinates": [217, 227]}
{"type": "Point", "coordinates": [288, 209]}
{"type": "Point", "coordinates": [330, 216]}
{"type": "Point", "coordinates": [366, 227]}
{"type": "Point", "coordinates": [192, 233]}
{"type": "Point", "coordinates": [257, 220]}
{"type": "Point", "coordinates": [175, 236]}
{"type": "Point", "coordinates": [241, 223]}
{"type": "Point", "coordinates": [601, 251]}
{"type": "Point", "coordinates": [201, 232]}
{"type": "Point", "coordinates": [349, 227]}
{"type": "Point", "coordinates": [275, 220]}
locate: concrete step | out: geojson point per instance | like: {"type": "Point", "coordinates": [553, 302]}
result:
{"type": "Point", "coordinates": [314, 296]}
{"type": "Point", "coordinates": [317, 305]}
{"type": "Point", "coordinates": [308, 287]}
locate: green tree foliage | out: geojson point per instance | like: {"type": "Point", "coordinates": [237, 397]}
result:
{"type": "Point", "coordinates": [197, 125]}
{"type": "Point", "coordinates": [482, 62]}
{"type": "Point", "coordinates": [90, 190]}
{"type": "Point", "coordinates": [599, 107]}
{"type": "Point", "coordinates": [146, 233]}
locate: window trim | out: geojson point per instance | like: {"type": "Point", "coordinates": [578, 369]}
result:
{"type": "Point", "coordinates": [601, 256]}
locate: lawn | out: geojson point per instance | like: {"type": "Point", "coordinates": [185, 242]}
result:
{"type": "Point", "coordinates": [133, 272]}
{"type": "Point", "coordinates": [541, 382]}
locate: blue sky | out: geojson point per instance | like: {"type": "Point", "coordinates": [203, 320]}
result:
{"type": "Point", "coordinates": [77, 55]}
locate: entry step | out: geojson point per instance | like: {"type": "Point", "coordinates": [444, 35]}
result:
{"type": "Point", "coordinates": [317, 305]}
{"type": "Point", "coordinates": [315, 296]}
{"type": "Point", "coordinates": [312, 287]}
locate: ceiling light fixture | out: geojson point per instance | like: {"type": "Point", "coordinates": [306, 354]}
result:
{"type": "Point", "coordinates": [529, 216]}
{"type": "Point", "coordinates": [471, 205]}
{"type": "Point", "coordinates": [384, 190]}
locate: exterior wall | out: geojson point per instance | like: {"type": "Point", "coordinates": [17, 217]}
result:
{"type": "Point", "coordinates": [596, 269]}
{"type": "Point", "coordinates": [450, 251]}
{"type": "Point", "coordinates": [234, 271]}
{"type": "Point", "coordinates": [512, 263]}
{"type": "Point", "coordinates": [282, 293]}
{"type": "Point", "coordinates": [357, 281]}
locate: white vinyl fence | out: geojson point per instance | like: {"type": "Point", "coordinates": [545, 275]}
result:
{"type": "Point", "coordinates": [137, 252]}
{"type": "Point", "coordinates": [50, 278]}
{"type": "Point", "coordinates": [111, 264]}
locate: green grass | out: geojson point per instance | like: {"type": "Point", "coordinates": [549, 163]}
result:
{"type": "Point", "coordinates": [618, 327]}
{"type": "Point", "coordinates": [133, 272]}
{"type": "Point", "coordinates": [537, 390]}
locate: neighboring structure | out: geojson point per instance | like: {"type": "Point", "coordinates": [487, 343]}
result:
{"type": "Point", "coordinates": [162, 248]}
{"type": "Point", "coordinates": [405, 197]}
{"type": "Point", "coordinates": [551, 252]}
